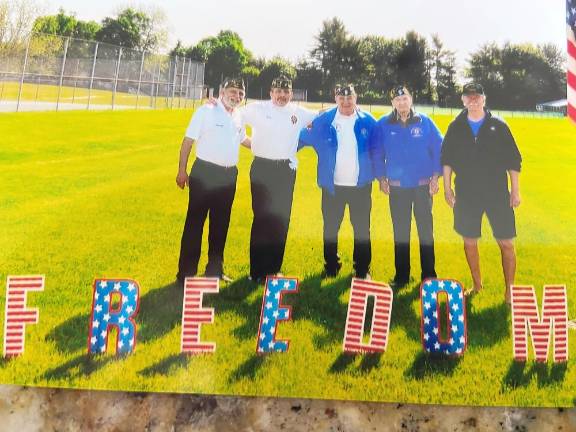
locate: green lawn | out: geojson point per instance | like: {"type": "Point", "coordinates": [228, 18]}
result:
{"type": "Point", "coordinates": [88, 195]}
{"type": "Point", "coordinates": [79, 96]}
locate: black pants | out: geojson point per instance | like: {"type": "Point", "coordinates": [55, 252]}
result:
{"type": "Point", "coordinates": [402, 202]}
{"type": "Point", "coordinates": [272, 185]}
{"type": "Point", "coordinates": [212, 190]}
{"type": "Point", "coordinates": [359, 200]}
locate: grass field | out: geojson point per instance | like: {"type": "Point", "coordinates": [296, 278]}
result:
{"type": "Point", "coordinates": [79, 96]}
{"type": "Point", "coordinates": [88, 195]}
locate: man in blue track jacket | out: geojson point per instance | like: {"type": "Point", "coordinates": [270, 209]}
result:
{"type": "Point", "coordinates": [341, 139]}
{"type": "Point", "coordinates": [407, 164]}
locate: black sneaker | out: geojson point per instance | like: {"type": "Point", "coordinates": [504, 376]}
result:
{"type": "Point", "coordinates": [399, 283]}
{"type": "Point", "coordinates": [330, 272]}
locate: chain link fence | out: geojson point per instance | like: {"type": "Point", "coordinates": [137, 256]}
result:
{"type": "Point", "coordinates": [49, 72]}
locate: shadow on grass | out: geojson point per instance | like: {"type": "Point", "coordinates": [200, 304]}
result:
{"type": "Point", "coordinates": [248, 369]}
{"type": "Point", "coordinates": [160, 311]}
{"type": "Point", "coordinates": [427, 365]}
{"type": "Point", "coordinates": [519, 376]}
{"type": "Point", "coordinates": [322, 305]}
{"type": "Point", "coordinates": [489, 326]}
{"type": "Point", "coordinates": [314, 302]}
{"type": "Point", "coordinates": [80, 366]}
{"type": "Point", "coordinates": [166, 365]}
{"type": "Point", "coordinates": [486, 327]}
{"type": "Point", "coordinates": [344, 362]}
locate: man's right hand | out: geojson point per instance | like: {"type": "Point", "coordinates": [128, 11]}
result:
{"type": "Point", "coordinates": [450, 197]}
{"type": "Point", "coordinates": [182, 179]}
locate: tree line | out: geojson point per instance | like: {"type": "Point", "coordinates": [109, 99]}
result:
{"type": "Point", "coordinates": [515, 76]}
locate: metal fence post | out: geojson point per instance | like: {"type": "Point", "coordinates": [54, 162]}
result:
{"type": "Point", "coordinates": [116, 77]}
{"type": "Point", "coordinates": [62, 73]}
{"type": "Point", "coordinates": [152, 86]}
{"type": "Point", "coordinates": [187, 94]}
{"type": "Point", "coordinates": [157, 85]}
{"type": "Point", "coordinates": [174, 81]}
{"type": "Point", "coordinates": [196, 67]}
{"type": "Point", "coordinates": [181, 82]}
{"type": "Point", "coordinates": [23, 73]}
{"type": "Point", "coordinates": [92, 75]}
{"type": "Point", "coordinates": [140, 78]}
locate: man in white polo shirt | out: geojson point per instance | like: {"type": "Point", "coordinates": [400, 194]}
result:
{"type": "Point", "coordinates": [218, 132]}
{"type": "Point", "coordinates": [276, 125]}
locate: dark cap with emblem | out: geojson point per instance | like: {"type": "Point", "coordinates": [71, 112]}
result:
{"type": "Point", "coordinates": [233, 83]}
{"type": "Point", "coordinates": [344, 90]}
{"type": "Point", "coordinates": [472, 88]}
{"type": "Point", "coordinates": [399, 91]}
{"type": "Point", "coordinates": [282, 82]}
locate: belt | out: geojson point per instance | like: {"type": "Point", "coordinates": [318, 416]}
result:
{"type": "Point", "coordinates": [214, 165]}
{"type": "Point", "coordinates": [421, 182]}
{"type": "Point", "coordinates": [271, 161]}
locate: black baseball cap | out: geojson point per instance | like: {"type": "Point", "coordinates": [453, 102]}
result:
{"type": "Point", "coordinates": [233, 82]}
{"type": "Point", "coordinates": [472, 88]}
{"type": "Point", "coordinates": [344, 90]}
{"type": "Point", "coordinates": [282, 82]}
{"type": "Point", "coordinates": [399, 91]}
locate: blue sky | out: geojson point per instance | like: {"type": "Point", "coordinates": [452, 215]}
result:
{"type": "Point", "coordinates": [288, 27]}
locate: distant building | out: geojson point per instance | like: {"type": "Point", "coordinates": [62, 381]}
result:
{"type": "Point", "coordinates": [558, 106]}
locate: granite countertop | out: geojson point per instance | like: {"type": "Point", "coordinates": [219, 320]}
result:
{"type": "Point", "coordinates": [27, 409]}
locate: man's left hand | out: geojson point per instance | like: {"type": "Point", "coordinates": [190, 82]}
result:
{"type": "Point", "coordinates": [514, 199]}
{"type": "Point", "coordinates": [433, 187]}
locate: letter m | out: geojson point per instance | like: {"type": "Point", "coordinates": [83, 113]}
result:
{"type": "Point", "coordinates": [552, 324]}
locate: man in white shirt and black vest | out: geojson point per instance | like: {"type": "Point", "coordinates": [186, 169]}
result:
{"type": "Point", "coordinates": [218, 132]}
{"type": "Point", "coordinates": [276, 125]}
{"type": "Point", "coordinates": [340, 137]}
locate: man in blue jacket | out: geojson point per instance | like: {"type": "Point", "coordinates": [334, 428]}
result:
{"type": "Point", "coordinates": [407, 164]}
{"type": "Point", "coordinates": [340, 138]}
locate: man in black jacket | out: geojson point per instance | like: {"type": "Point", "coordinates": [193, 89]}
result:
{"type": "Point", "coordinates": [480, 150]}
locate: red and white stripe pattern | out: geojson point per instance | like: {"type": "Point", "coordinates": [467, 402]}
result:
{"type": "Point", "coordinates": [16, 315]}
{"type": "Point", "coordinates": [526, 319]}
{"type": "Point", "coordinates": [571, 72]}
{"type": "Point", "coordinates": [360, 291]}
{"type": "Point", "coordinates": [193, 315]}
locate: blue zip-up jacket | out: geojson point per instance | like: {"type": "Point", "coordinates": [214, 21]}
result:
{"type": "Point", "coordinates": [322, 137]}
{"type": "Point", "coordinates": [406, 154]}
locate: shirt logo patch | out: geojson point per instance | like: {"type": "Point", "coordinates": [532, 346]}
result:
{"type": "Point", "coordinates": [492, 128]}
{"type": "Point", "coordinates": [294, 119]}
{"type": "Point", "coordinates": [416, 132]}
{"type": "Point", "coordinates": [364, 132]}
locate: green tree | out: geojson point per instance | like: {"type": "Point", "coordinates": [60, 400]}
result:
{"type": "Point", "coordinates": [380, 74]}
{"type": "Point", "coordinates": [309, 77]}
{"type": "Point", "coordinates": [224, 56]}
{"type": "Point", "coordinates": [338, 56]}
{"type": "Point", "coordinates": [412, 63]}
{"type": "Point", "coordinates": [518, 76]}
{"type": "Point", "coordinates": [134, 29]}
{"type": "Point", "coordinates": [444, 74]}
{"type": "Point", "coordinates": [66, 25]}
{"type": "Point", "coordinates": [268, 71]}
